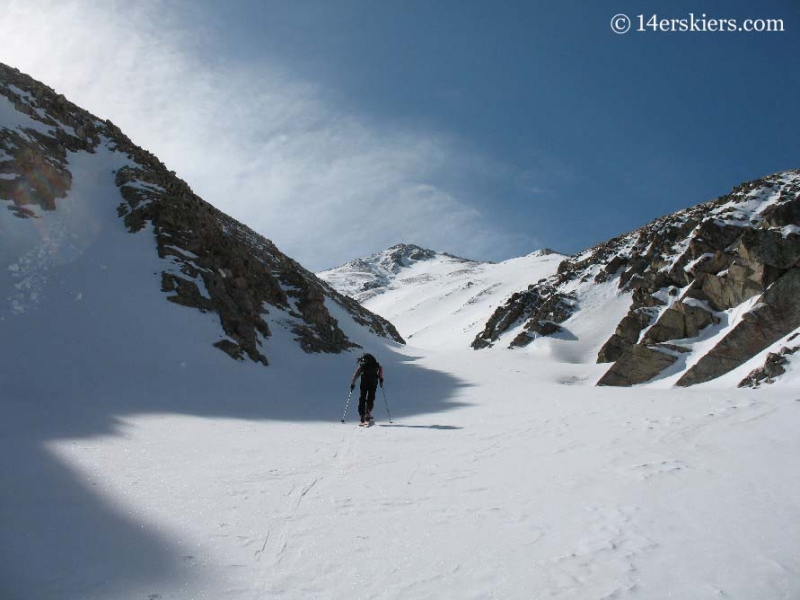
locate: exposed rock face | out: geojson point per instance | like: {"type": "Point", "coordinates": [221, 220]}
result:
{"type": "Point", "coordinates": [38, 167]}
{"type": "Point", "coordinates": [212, 262]}
{"type": "Point", "coordinates": [684, 273]}
{"type": "Point", "coordinates": [541, 307]}
{"type": "Point", "coordinates": [638, 363]}
{"type": "Point", "coordinates": [713, 258]}
{"type": "Point", "coordinates": [776, 314]}
{"type": "Point", "coordinates": [679, 321]}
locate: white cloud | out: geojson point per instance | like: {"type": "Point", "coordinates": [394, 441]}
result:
{"type": "Point", "coordinates": [268, 149]}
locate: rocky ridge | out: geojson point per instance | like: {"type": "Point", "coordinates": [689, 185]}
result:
{"type": "Point", "coordinates": [211, 261]}
{"type": "Point", "coordinates": [688, 275]}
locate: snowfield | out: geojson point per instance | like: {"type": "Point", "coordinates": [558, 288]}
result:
{"type": "Point", "coordinates": [441, 302]}
{"type": "Point", "coordinates": [516, 480]}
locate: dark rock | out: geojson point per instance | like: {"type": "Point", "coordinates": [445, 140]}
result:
{"type": "Point", "coordinates": [776, 315]}
{"type": "Point", "coordinates": [232, 349]}
{"type": "Point", "coordinates": [40, 166]}
{"type": "Point", "coordinates": [542, 308]}
{"type": "Point", "coordinates": [769, 247]}
{"type": "Point", "coordinates": [784, 213]}
{"type": "Point", "coordinates": [774, 367]}
{"type": "Point", "coordinates": [637, 364]}
{"type": "Point", "coordinates": [679, 321]}
{"type": "Point", "coordinates": [626, 334]}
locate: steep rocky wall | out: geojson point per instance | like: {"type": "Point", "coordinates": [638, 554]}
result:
{"type": "Point", "coordinates": [683, 272]}
{"type": "Point", "coordinates": [745, 245]}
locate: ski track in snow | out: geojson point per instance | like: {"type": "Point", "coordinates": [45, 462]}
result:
{"type": "Point", "coordinates": [531, 489]}
{"type": "Point", "coordinates": [555, 501]}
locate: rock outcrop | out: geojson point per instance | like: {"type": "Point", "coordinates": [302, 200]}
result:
{"type": "Point", "coordinates": [212, 262]}
{"type": "Point", "coordinates": [726, 270]}
{"type": "Point", "coordinates": [697, 265]}
{"type": "Point", "coordinates": [541, 308]}
{"type": "Point", "coordinates": [774, 366]}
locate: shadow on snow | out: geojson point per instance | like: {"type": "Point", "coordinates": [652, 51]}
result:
{"type": "Point", "coordinates": [439, 427]}
{"type": "Point", "coordinates": [56, 529]}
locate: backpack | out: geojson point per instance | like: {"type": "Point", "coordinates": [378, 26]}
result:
{"type": "Point", "coordinates": [369, 365]}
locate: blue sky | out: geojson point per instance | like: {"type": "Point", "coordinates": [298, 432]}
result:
{"type": "Point", "coordinates": [487, 129]}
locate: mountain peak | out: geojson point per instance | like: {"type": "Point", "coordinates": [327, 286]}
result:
{"type": "Point", "coordinates": [405, 254]}
{"type": "Point", "coordinates": [363, 278]}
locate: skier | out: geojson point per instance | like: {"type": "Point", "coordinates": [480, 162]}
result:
{"type": "Point", "coordinates": [371, 373]}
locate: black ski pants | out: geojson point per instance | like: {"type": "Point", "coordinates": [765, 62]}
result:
{"type": "Point", "coordinates": [366, 400]}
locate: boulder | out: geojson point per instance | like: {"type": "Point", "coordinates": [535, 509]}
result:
{"type": "Point", "coordinates": [774, 367]}
{"type": "Point", "coordinates": [783, 213]}
{"type": "Point", "coordinates": [769, 247]}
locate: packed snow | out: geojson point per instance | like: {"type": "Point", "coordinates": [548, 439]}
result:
{"type": "Point", "coordinates": [501, 476]}
{"type": "Point", "coordinates": [137, 462]}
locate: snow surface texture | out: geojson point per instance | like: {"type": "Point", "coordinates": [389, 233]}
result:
{"type": "Point", "coordinates": [137, 462]}
{"type": "Point", "coordinates": [515, 487]}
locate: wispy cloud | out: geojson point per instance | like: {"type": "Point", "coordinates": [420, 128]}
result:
{"type": "Point", "coordinates": [269, 149]}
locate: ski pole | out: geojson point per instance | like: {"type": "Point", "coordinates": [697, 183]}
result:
{"type": "Point", "coordinates": [346, 406]}
{"type": "Point", "coordinates": [387, 404]}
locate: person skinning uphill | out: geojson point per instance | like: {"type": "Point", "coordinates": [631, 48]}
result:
{"type": "Point", "coordinates": [371, 373]}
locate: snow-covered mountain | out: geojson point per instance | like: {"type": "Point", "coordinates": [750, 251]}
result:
{"type": "Point", "coordinates": [83, 203]}
{"type": "Point", "coordinates": [364, 278]}
{"type": "Point", "coordinates": [708, 293]}
{"type": "Point", "coordinates": [436, 300]}
{"type": "Point", "coordinates": [139, 461]}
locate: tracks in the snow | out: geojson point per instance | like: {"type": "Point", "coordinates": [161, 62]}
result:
{"type": "Point", "coordinates": [279, 541]}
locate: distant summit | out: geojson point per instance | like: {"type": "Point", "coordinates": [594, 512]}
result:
{"type": "Point", "coordinates": [366, 277]}
{"type": "Point", "coordinates": [435, 299]}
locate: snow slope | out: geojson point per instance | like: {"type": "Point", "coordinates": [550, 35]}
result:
{"type": "Point", "coordinates": [87, 338]}
{"type": "Point", "coordinates": [443, 301]}
{"type": "Point", "coordinates": [520, 487]}
{"type": "Point", "coordinates": [371, 275]}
